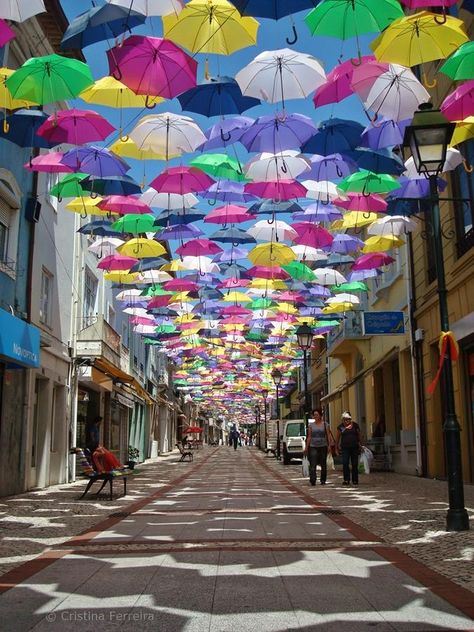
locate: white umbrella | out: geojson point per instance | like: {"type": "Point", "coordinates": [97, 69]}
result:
{"type": "Point", "coordinates": [266, 167]}
{"type": "Point", "coordinates": [392, 225]}
{"type": "Point", "coordinates": [151, 7]}
{"type": "Point", "coordinates": [153, 276]}
{"type": "Point", "coordinates": [308, 253]}
{"type": "Point", "coordinates": [277, 75]}
{"type": "Point", "coordinates": [343, 297]}
{"type": "Point", "coordinates": [138, 311]}
{"type": "Point", "coordinates": [167, 134]}
{"type": "Point", "coordinates": [132, 296]}
{"type": "Point", "coordinates": [203, 264]}
{"type": "Point", "coordinates": [105, 246]}
{"type": "Point", "coordinates": [453, 159]}
{"type": "Point", "coordinates": [328, 276]}
{"type": "Point", "coordinates": [145, 329]}
{"type": "Point", "coordinates": [395, 94]}
{"type": "Point", "coordinates": [277, 230]}
{"type": "Point", "coordinates": [20, 10]}
{"type": "Point", "coordinates": [169, 201]}
{"type": "Point", "coordinates": [181, 307]}
{"type": "Point", "coordinates": [323, 190]}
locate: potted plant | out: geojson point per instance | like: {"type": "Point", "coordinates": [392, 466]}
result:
{"type": "Point", "coordinates": [133, 456]}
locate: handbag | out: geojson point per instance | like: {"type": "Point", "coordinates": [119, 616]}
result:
{"type": "Point", "coordinates": [305, 467]}
{"type": "Point", "coordinates": [330, 462]}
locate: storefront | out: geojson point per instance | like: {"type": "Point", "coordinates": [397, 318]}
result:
{"type": "Point", "coordinates": [19, 351]}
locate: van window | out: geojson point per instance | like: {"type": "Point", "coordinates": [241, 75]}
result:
{"type": "Point", "coordinates": [295, 430]}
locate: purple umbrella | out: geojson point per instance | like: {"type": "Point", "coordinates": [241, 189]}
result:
{"type": "Point", "coordinates": [95, 161]}
{"type": "Point", "coordinates": [415, 188]}
{"type": "Point", "coordinates": [388, 133]}
{"type": "Point", "coordinates": [227, 191]}
{"type": "Point", "coordinates": [179, 231]}
{"type": "Point", "coordinates": [360, 275]}
{"type": "Point", "coordinates": [226, 132]}
{"type": "Point", "coordinates": [234, 254]}
{"type": "Point", "coordinates": [276, 133]}
{"type": "Point", "coordinates": [318, 212]}
{"type": "Point", "coordinates": [6, 33]}
{"type": "Point", "coordinates": [344, 243]}
{"type": "Point", "coordinates": [320, 291]}
{"type": "Point", "coordinates": [332, 167]}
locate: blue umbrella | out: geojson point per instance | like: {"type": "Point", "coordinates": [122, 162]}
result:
{"type": "Point", "coordinates": [232, 236]}
{"type": "Point", "coordinates": [273, 9]}
{"type": "Point", "coordinates": [226, 132]}
{"type": "Point", "coordinates": [334, 136]}
{"type": "Point", "coordinates": [415, 188]}
{"type": "Point", "coordinates": [112, 185]}
{"type": "Point", "coordinates": [217, 97]}
{"type": "Point", "coordinates": [169, 218]}
{"type": "Point", "coordinates": [275, 133]}
{"type": "Point", "coordinates": [332, 167]}
{"type": "Point", "coordinates": [100, 23]}
{"type": "Point", "coordinates": [22, 126]}
{"type": "Point", "coordinates": [99, 227]}
{"type": "Point", "coordinates": [230, 255]}
{"type": "Point", "coordinates": [344, 243]}
{"type": "Point", "coordinates": [150, 263]}
{"type": "Point", "coordinates": [318, 212]}
{"type": "Point", "coordinates": [179, 231]}
{"type": "Point", "coordinates": [382, 161]}
{"type": "Point", "coordinates": [266, 207]}
{"type": "Point", "coordinates": [227, 191]}
{"type": "Point", "coordinates": [95, 161]}
{"type": "Point", "coordinates": [386, 134]}
{"type": "Point", "coordinates": [336, 259]}
{"type": "Point", "coordinates": [468, 5]}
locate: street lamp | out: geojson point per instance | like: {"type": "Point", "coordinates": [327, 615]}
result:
{"type": "Point", "coordinates": [304, 335]}
{"type": "Point", "coordinates": [265, 395]}
{"type": "Point", "coordinates": [428, 138]}
{"type": "Point", "coordinates": [257, 423]}
{"type": "Point", "coordinates": [277, 377]}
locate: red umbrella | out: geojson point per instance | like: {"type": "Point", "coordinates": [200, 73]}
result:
{"type": "Point", "coordinates": [117, 262]}
{"type": "Point", "coordinates": [193, 429]}
{"type": "Point", "coordinates": [372, 260]}
{"type": "Point", "coordinates": [182, 180]}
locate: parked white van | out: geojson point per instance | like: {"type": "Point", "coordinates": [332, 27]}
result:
{"type": "Point", "coordinates": [293, 440]}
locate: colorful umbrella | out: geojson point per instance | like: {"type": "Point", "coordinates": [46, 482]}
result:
{"type": "Point", "coordinates": [182, 180]}
{"type": "Point", "coordinates": [367, 182]}
{"type": "Point", "coordinates": [331, 167]}
{"type": "Point", "coordinates": [6, 34]}
{"type": "Point", "coordinates": [48, 163]}
{"type": "Point", "coordinates": [309, 234]}
{"type": "Point", "coordinates": [216, 97]}
{"type": "Point", "coordinates": [167, 134]}
{"type": "Point", "coordinates": [152, 66]}
{"type": "Point", "coordinates": [381, 243]}
{"type": "Point", "coordinates": [229, 214]}
{"type": "Point", "coordinates": [21, 128]}
{"type": "Point", "coordinates": [112, 93]}
{"type": "Point", "coordinates": [383, 161]}
{"type": "Point", "coordinates": [6, 99]}
{"type": "Point", "coordinates": [151, 7]}
{"type": "Point", "coordinates": [459, 105]}
{"type": "Point", "coordinates": [198, 247]}
{"type": "Point", "coordinates": [362, 203]}
{"type": "Point", "coordinates": [334, 136]}
{"type": "Point", "coordinates": [372, 260]}
{"type": "Point", "coordinates": [278, 133]}
{"type": "Point", "coordinates": [135, 224]}
{"type": "Point", "coordinates": [266, 166]}
{"type": "Point", "coordinates": [272, 231]}
{"type": "Point", "coordinates": [95, 161]}
{"type": "Point", "coordinates": [338, 84]}
{"type": "Point", "coordinates": [111, 185]}
{"type": "Point", "coordinates": [271, 255]}
{"type": "Point", "coordinates": [21, 10]}
{"type": "Point", "coordinates": [226, 132]}
{"type": "Point", "coordinates": [75, 127]}
{"type": "Point", "coordinates": [384, 134]}
{"type": "Point", "coordinates": [169, 201]}
{"type": "Point", "coordinates": [278, 190]}
{"type": "Point", "coordinates": [140, 248]}
{"type": "Point", "coordinates": [460, 66]}
{"type": "Point", "coordinates": [69, 186]}
{"type": "Point", "coordinates": [105, 246]}
{"type": "Point", "coordinates": [211, 26]}
{"type": "Point", "coordinates": [116, 262]}
{"type": "Point", "coordinates": [220, 166]}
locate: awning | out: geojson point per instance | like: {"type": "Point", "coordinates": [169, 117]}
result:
{"type": "Point", "coordinates": [109, 369]}
{"type": "Point", "coordinates": [337, 392]}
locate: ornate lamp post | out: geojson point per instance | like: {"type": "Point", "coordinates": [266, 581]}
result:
{"type": "Point", "coordinates": [305, 335]}
{"type": "Point", "coordinates": [265, 395]}
{"type": "Point", "coordinates": [428, 138]}
{"type": "Point", "coordinates": [277, 377]}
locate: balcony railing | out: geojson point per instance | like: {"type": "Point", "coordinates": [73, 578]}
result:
{"type": "Point", "coordinates": [99, 339]}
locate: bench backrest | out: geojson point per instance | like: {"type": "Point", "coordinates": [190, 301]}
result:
{"type": "Point", "coordinates": [85, 467]}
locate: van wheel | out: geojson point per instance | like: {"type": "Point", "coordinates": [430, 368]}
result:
{"type": "Point", "coordinates": [286, 458]}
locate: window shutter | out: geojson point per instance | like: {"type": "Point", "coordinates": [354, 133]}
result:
{"type": "Point", "coordinates": [5, 213]}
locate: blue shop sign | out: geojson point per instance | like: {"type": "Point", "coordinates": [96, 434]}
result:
{"type": "Point", "coordinates": [19, 341]}
{"type": "Point", "coordinates": [388, 323]}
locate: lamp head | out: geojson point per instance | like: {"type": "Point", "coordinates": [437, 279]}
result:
{"type": "Point", "coordinates": [277, 377]}
{"type": "Point", "coordinates": [304, 335]}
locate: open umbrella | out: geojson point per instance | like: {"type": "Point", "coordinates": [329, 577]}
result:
{"type": "Point", "coordinates": [383, 161]}
{"type": "Point", "coordinates": [229, 214]}
{"type": "Point", "coordinates": [459, 105]}
{"type": "Point", "coordinates": [169, 201]}
{"type": "Point", "coordinates": [271, 255]}
{"type": "Point", "coordinates": [95, 161]}
{"type": "Point", "coordinates": [309, 234]}
{"type": "Point", "coordinates": [152, 66]}
{"type": "Point", "coordinates": [140, 248]}
{"type": "Point", "coordinates": [226, 132]}
{"type": "Point", "coordinates": [167, 134]}
{"type": "Point", "coordinates": [372, 260]}
{"type": "Point", "coordinates": [111, 185]}
{"type": "Point", "coordinates": [99, 227]}
{"type": "Point", "coordinates": [219, 166]}
{"type": "Point", "coordinates": [216, 97]}
{"type": "Point", "coordinates": [367, 182]}
{"type": "Point", "coordinates": [21, 128]}
{"type": "Point", "coordinates": [392, 225]}
{"type": "Point", "coordinates": [386, 133]}
{"type": "Point", "coordinates": [182, 180]}
{"type": "Point", "coordinates": [266, 166]}
{"type": "Point", "coordinates": [105, 246]}
{"type": "Point", "coordinates": [460, 66]}
{"type": "Point", "coordinates": [334, 136]}
{"type": "Point", "coordinates": [151, 7]}
{"type": "Point", "coordinates": [48, 163]}
{"type": "Point", "coordinates": [338, 84]}
{"type": "Point", "coordinates": [198, 247]}
{"type": "Point", "coordinates": [75, 127]}
{"type": "Point", "coordinates": [135, 224]}
{"type": "Point", "coordinates": [116, 262]}
{"type": "Point", "coordinates": [277, 190]}
{"type": "Point", "coordinates": [6, 33]}
{"type": "Point", "coordinates": [278, 133]}
{"type": "Point", "coordinates": [211, 26]}
{"type": "Point", "coordinates": [112, 93]}
{"type": "Point", "coordinates": [275, 230]}
{"type": "Point", "coordinates": [69, 186]}
{"type": "Point", "coordinates": [21, 10]}
{"type": "Point", "coordinates": [6, 99]}
{"type": "Point", "coordinates": [280, 75]}
{"type": "Point", "coordinates": [331, 167]}
{"type": "Point", "coordinates": [49, 78]}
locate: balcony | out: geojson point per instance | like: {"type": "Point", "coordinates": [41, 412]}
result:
{"type": "Point", "coordinates": [341, 339]}
{"type": "Point", "coordinates": [100, 340]}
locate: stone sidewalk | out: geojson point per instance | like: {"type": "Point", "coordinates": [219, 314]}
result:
{"type": "Point", "coordinates": [236, 541]}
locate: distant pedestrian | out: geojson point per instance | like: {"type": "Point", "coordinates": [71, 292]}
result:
{"type": "Point", "coordinates": [234, 437]}
{"type": "Point", "coordinates": [348, 443]}
{"type": "Point", "coordinates": [317, 443]}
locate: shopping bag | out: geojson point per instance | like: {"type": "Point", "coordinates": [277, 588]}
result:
{"type": "Point", "coordinates": [368, 453]}
{"type": "Point", "coordinates": [330, 461]}
{"type": "Point", "coordinates": [305, 467]}
{"type": "Point", "coordinates": [364, 466]}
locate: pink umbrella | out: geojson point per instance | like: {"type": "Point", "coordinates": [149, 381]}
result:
{"type": "Point", "coordinates": [458, 105]}
{"type": "Point", "coordinates": [152, 66]}
{"type": "Point", "coordinates": [198, 247]}
{"type": "Point", "coordinates": [338, 83]}
{"type": "Point", "coordinates": [290, 296]}
{"type": "Point", "coordinates": [181, 285]}
{"type": "Point", "coordinates": [48, 163]}
{"type": "Point", "coordinates": [310, 234]}
{"type": "Point", "coordinates": [363, 77]}
{"type": "Point", "coordinates": [159, 301]}
{"type": "Point", "coordinates": [75, 126]}
{"type": "Point", "coordinates": [142, 320]}
{"type": "Point", "coordinates": [182, 180]}
{"type": "Point", "coordinates": [277, 190]}
{"type": "Point", "coordinates": [235, 310]}
{"type": "Point", "coordinates": [262, 272]}
{"type": "Point", "coordinates": [229, 214]}
{"type": "Point", "coordinates": [232, 282]}
{"type": "Point", "coordinates": [425, 4]}
{"type": "Point", "coordinates": [6, 33]}
{"type": "Point", "coordinates": [123, 204]}
{"type": "Point", "coordinates": [117, 262]}
{"type": "Point", "coordinates": [372, 203]}
{"type": "Point", "coordinates": [372, 260]}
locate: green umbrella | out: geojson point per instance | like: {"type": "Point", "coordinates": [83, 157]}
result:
{"type": "Point", "coordinates": [136, 224]}
{"type": "Point", "coordinates": [344, 19]}
{"type": "Point", "coordinates": [154, 290]}
{"type": "Point", "coordinates": [166, 329]}
{"type": "Point", "coordinates": [219, 166]}
{"type": "Point", "coordinates": [69, 186]}
{"type": "Point", "coordinates": [260, 303]}
{"type": "Point", "coordinates": [354, 286]}
{"type": "Point", "coordinates": [255, 337]}
{"type": "Point", "coordinates": [49, 78]}
{"type": "Point", "coordinates": [299, 271]}
{"type": "Point", "coordinates": [367, 182]}
{"type": "Point", "coordinates": [460, 66]}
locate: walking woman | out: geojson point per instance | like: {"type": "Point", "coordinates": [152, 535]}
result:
{"type": "Point", "coordinates": [348, 443]}
{"type": "Point", "coordinates": [317, 443]}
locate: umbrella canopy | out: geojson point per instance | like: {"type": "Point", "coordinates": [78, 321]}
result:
{"type": "Point", "coordinates": [278, 190]}
{"type": "Point", "coordinates": [278, 133]}
{"type": "Point", "coordinates": [392, 226]}
{"type": "Point", "coordinates": [383, 161]}
{"type": "Point", "coordinates": [98, 227]}
{"type": "Point", "coordinates": [49, 78]}
{"type": "Point", "coordinates": [460, 66]}
{"type": "Point", "coordinates": [362, 203]}
{"type": "Point", "coordinates": [271, 255]}
{"type": "Point", "coordinates": [229, 214]}
{"type": "Point", "coordinates": [266, 166]}
{"type": "Point", "coordinates": [459, 105]}
{"type": "Point", "coordinates": [198, 247]}
{"type": "Point", "coordinates": [169, 201]}
{"type": "Point", "coordinates": [232, 236]}
{"type": "Point", "coordinates": [384, 134]}
{"type": "Point", "coordinates": [116, 262]}
{"type": "Point", "coordinates": [280, 75]}
{"type": "Point", "coordinates": [75, 127]}
{"type": "Point", "coordinates": [112, 93]}
{"type": "Point", "coordinates": [152, 66]}
{"type": "Point", "coordinates": [211, 26]}
{"type": "Point", "coordinates": [100, 23]}
{"type": "Point", "coordinates": [111, 185]}
{"type": "Point", "coordinates": [272, 231]}
{"type": "Point", "coordinates": [372, 260]}
{"type": "Point", "coordinates": [69, 186]}
{"type": "Point", "coordinates": [334, 136]}
{"type": "Point", "coordinates": [226, 132]}
{"type": "Point", "coordinates": [217, 97]}
{"type": "Point", "coordinates": [167, 134]}
{"type": "Point", "coordinates": [275, 9]}
{"type": "Point", "coordinates": [181, 180]}
{"type": "Point", "coordinates": [331, 167]}
{"type": "Point", "coordinates": [151, 7]}
{"type": "Point", "coordinates": [338, 84]}
{"type": "Point", "coordinates": [309, 234]}
{"type": "Point", "coordinates": [95, 161]}
{"type": "Point", "coordinates": [367, 182]}
{"type": "Point", "coordinates": [140, 248]}
{"type": "Point", "coordinates": [6, 33]}
{"type": "Point", "coordinates": [48, 163]}
{"type": "Point", "coordinates": [135, 223]}
{"type": "Point", "coordinates": [6, 99]}
{"type": "Point", "coordinates": [220, 166]}
{"type": "Point", "coordinates": [21, 128]}
{"type": "Point", "coordinates": [21, 10]}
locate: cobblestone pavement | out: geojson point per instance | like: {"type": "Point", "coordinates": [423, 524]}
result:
{"type": "Point", "coordinates": [236, 523]}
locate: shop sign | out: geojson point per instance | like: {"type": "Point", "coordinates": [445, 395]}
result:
{"type": "Point", "coordinates": [19, 341]}
{"type": "Point", "coordinates": [383, 323]}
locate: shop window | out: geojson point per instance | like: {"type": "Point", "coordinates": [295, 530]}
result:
{"type": "Point", "coordinates": [46, 297]}
{"type": "Point", "coordinates": [90, 298]}
{"type": "Point", "coordinates": [463, 190]}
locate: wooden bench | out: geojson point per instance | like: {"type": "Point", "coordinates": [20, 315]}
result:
{"type": "Point", "coordinates": [87, 470]}
{"type": "Point", "coordinates": [184, 453]}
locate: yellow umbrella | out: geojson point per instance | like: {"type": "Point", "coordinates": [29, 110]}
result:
{"type": "Point", "coordinates": [379, 243]}
{"type": "Point", "coordinates": [173, 266]}
{"type": "Point", "coordinates": [140, 248]}
{"type": "Point", "coordinates": [6, 99]}
{"type": "Point", "coordinates": [211, 26]}
{"type": "Point", "coordinates": [286, 308]}
{"type": "Point", "coordinates": [184, 318]}
{"type": "Point", "coordinates": [267, 284]}
{"type": "Point", "coordinates": [418, 38]}
{"type": "Point", "coordinates": [237, 297]}
{"type": "Point", "coordinates": [355, 219]}
{"type": "Point", "coordinates": [116, 276]}
{"type": "Point", "coordinates": [271, 255]}
{"type": "Point", "coordinates": [338, 307]}
{"type": "Point", "coordinates": [463, 131]}
{"type": "Point", "coordinates": [179, 296]}
{"type": "Point", "coordinates": [86, 206]}
{"type": "Point", "coordinates": [128, 149]}
{"type": "Point", "coordinates": [115, 94]}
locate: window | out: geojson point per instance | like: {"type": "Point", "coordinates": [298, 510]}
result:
{"type": "Point", "coordinates": [463, 189]}
{"type": "Point", "coordinates": [125, 334]}
{"type": "Point", "coordinates": [3, 241]}
{"type": "Point", "coordinates": [111, 316]}
{"type": "Point", "coordinates": [90, 297]}
{"type": "Point", "coordinates": [8, 236]}
{"type": "Point", "coordinates": [46, 297]}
